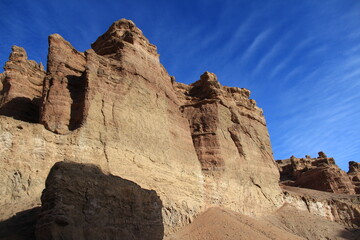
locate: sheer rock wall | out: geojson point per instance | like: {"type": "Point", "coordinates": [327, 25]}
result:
{"type": "Point", "coordinates": [115, 106]}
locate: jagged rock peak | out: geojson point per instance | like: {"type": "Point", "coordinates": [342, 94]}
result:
{"type": "Point", "coordinates": [210, 78]}
{"type": "Point", "coordinates": [18, 54]}
{"type": "Point", "coordinates": [319, 173]}
{"type": "Point", "coordinates": [120, 34]}
{"type": "Point", "coordinates": [354, 167]}
{"type": "Point", "coordinates": [207, 87]}
{"type": "Point", "coordinates": [322, 155]}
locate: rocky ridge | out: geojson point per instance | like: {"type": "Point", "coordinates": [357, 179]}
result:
{"type": "Point", "coordinates": [319, 173]}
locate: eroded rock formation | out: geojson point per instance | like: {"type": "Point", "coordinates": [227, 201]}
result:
{"type": "Point", "coordinates": [319, 173]}
{"type": "Point", "coordinates": [81, 202]}
{"type": "Point", "coordinates": [64, 87]}
{"type": "Point", "coordinates": [182, 148]}
{"type": "Point", "coordinates": [231, 141]}
{"type": "Point", "coordinates": [21, 87]}
{"type": "Point", "coordinates": [116, 106]}
{"type": "Point", "coordinates": [354, 174]}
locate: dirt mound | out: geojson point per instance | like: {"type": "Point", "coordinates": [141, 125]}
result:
{"type": "Point", "coordinates": [218, 223]}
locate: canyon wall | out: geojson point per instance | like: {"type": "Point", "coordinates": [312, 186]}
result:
{"type": "Point", "coordinates": [116, 107]}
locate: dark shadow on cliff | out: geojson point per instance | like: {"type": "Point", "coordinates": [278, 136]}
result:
{"type": "Point", "coordinates": [22, 108]}
{"type": "Point", "coordinates": [21, 226]}
{"type": "Point", "coordinates": [350, 233]}
{"type": "Point", "coordinates": [77, 87]}
{"type": "Point", "coordinates": [81, 202]}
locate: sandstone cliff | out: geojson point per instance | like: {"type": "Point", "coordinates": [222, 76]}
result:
{"type": "Point", "coordinates": [115, 106]}
{"type": "Point", "coordinates": [21, 87]}
{"type": "Point", "coordinates": [319, 173]}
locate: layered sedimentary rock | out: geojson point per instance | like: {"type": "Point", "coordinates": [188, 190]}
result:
{"type": "Point", "coordinates": [231, 142]}
{"type": "Point", "coordinates": [116, 106]}
{"type": "Point", "coordinates": [81, 202]}
{"type": "Point", "coordinates": [21, 87]}
{"type": "Point", "coordinates": [340, 208]}
{"type": "Point", "coordinates": [319, 173]}
{"type": "Point", "coordinates": [64, 87]}
{"type": "Point", "coordinates": [354, 174]}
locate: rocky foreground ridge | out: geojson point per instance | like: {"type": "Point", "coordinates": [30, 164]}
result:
{"type": "Point", "coordinates": [127, 152]}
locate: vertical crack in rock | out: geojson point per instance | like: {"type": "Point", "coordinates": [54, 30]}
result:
{"type": "Point", "coordinates": [102, 140]}
{"type": "Point", "coordinates": [265, 195]}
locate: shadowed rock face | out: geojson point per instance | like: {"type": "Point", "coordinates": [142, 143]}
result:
{"type": "Point", "coordinates": [319, 173]}
{"type": "Point", "coordinates": [21, 87]}
{"type": "Point", "coordinates": [81, 202]}
{"type": "Point", "coordinates": [354, 174]}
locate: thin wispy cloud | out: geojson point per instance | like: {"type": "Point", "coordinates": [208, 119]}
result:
{"type": "Point", "coordinates": [255, 44]}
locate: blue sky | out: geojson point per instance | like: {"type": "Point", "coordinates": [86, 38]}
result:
{"type": "Point", "coordinates": [300, 59]}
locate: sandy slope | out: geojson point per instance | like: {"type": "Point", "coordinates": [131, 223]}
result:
{"type": "Point", "coordinates": [218, 223]}
{"type": "Point", "coordinates": [307, 225]}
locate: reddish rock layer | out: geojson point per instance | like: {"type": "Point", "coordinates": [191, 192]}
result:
{"type": "Point", "coordinates": [230, 138]}
{"type": "Point", "coordinates": [354, 174]}
{"type": "Point", "coordinates": [319, 173]}
{"type": "Point", "coordinates": [21, 87]}
{"type": "Point", "coordinates": [64, 88]}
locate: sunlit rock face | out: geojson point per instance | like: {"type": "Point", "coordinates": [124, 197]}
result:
{"type": "Point", "coordinates": [21, 87]}
{"type": "Point", "coordinates": [115, 106]}
{"type": "Point", "coordinates": [319, 173]}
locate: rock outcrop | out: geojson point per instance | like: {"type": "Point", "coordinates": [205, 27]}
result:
{"type": "Point", "coordinates": [354, 174]}
{"type": "Point", "coordinates": [81, 202]}
{"type": "Point", "coordinates": [64, 87]}
{"type": "Point", "coordinates": [21, 87]}
{"type": "Point", "coordinates": [115, 106]}
{"type": "Point", "coordinates": [340, 208]}
{"type": "Point", "coordinates": [319, 173]}
{"type": "Point", "coordinates": [231, 142]}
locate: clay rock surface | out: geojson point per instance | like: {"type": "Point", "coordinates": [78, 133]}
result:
{"type": "Point", "coordinates": [21, 87]}
{"type": "Point", "coordinates": [319, 173]}
{"type": "Point", "coordinates": [354, 174]}
{"type": "Point", "coordinates": [116, 106]}
{"type": "Point", "coordinates": [81, 202]}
